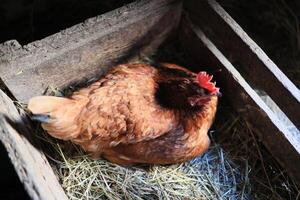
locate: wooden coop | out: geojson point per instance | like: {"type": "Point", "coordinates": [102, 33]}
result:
{"type": "Point", "coordinates": [203, 28]}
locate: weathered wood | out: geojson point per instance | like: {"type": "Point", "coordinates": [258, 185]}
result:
{"type": "Point", "coordinates": [283, 144]}
{"type": "Point", "coordinates": [31, 164]}
{"type": "Point", "coordinates": [251, 61]}
{"type": "Point", "coordinates": [87, 49]}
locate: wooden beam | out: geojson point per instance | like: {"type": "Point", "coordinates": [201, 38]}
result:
{"type": "Point", "coordinates": [30, 163]}
{"type": "Point", "coordinates": [282, 143]}
{"type": "Point", "coordinates": [88, 49]}
{"type": "Point", "coordinates": [250, 60]}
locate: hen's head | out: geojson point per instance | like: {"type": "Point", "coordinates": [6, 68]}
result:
{"type": "Point", "coordinates": [204, 81]}
{"type": "Point", "coordinates": [209, 89]}
{"type": "Point", "coordinates": [180, 88]}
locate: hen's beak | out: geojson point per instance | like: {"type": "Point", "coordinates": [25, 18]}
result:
{"type": "Point", "coordinates": [219, 94]}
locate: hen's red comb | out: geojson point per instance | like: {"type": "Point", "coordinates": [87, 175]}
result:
{"type": "Point", "coordinates": [204, 82]}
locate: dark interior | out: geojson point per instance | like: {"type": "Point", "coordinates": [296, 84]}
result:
{"type": "Point", "coordinates": [30, 20]}
{"type": "Point", "coordinates": [11, 187]}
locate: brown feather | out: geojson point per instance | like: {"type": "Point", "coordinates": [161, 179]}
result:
{"type": "Point", "coordinates": [135, 114]}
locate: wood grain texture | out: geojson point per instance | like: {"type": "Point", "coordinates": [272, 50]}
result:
{"type": "Point", "coordinates": [283, 144]}
{"type": "Point", "coordinates": [251, 61]}
{"type": "Point", "coordinates": [31, 164]}
{"type": "Point", "coordinates": [87, 49]}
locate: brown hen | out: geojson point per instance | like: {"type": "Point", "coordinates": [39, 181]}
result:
{"type": "Point", "coordinates": [137, 113]}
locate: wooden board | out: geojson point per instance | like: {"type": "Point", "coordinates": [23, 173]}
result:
{"type": "Point", "coordinates": [250, 60]}
{"type": "Point", "coordinates": [31, 164]}
{"type": "Point", "coordinates": [87, 49]}
{"type": "Point", "coordinates": [283, 144]}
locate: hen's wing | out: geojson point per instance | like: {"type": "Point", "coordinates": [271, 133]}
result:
{"type": "Point", "coordinates": [123, 109]}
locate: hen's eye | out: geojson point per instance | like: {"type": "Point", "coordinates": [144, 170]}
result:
{"type": "Point", "coordinates": [199, 91]}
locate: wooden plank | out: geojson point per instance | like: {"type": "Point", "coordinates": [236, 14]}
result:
{"type": "Point", "coordinates": [30, 163]}
{"type": "Point", "coordinates": [282, 143]}
{"type": "Point", "coordinates": [87, 49]}
{"type": "Point", "coordinates": [251, 61]}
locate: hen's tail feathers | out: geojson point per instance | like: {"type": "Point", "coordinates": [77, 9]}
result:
{"type": "Point", "coordinates": [46, 104]}
{"type": "Point", "coordinates": [58, 115]}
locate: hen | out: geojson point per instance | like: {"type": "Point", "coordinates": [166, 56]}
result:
{"type": "Point", "coordinates": [137, 113]}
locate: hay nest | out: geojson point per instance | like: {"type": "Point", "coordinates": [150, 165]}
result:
{"type": "Point", "coordinates": [236, 166]}
{"type": "Point", "coordinates": [211, 176]}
